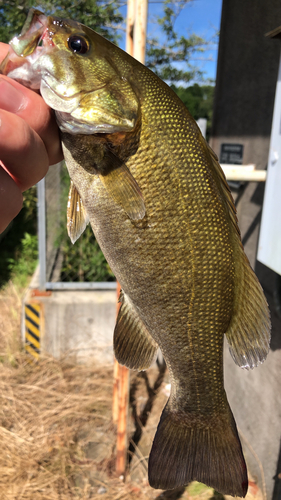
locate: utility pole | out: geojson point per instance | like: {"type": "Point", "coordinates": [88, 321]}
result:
{"type": "Point", "coordinates": [135, 46]}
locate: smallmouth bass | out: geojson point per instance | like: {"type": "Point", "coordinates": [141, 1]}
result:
{"type": "Point", "coordinates": [159, 205]}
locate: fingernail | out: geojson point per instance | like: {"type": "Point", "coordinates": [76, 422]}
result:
{"type": "Point", "coordinates": [11, 99]}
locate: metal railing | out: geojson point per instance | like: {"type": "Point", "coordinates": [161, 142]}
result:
{"type": "Point", "coordinates": [56, 270]}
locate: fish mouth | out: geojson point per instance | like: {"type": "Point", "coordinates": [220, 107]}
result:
{"type": "Point", "coordinates": [55, 99]}
{"type": "Point", "coordinates": [34, 31]}
{"type": "Point", "coordinates": [25, 49]}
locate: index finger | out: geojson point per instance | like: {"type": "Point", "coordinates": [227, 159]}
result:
{"type": "Point", "coordinates": [4, 47]}
{"type": "Point", "coordinates": [36, 113]}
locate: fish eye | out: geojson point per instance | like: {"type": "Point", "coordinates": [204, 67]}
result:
{"type": "Point", "coordinates": [78, 44]}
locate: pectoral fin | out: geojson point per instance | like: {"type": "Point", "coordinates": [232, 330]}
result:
{"type": "Point", "coordinates": [77, 218]}
{"type": "Point", "coordinates": [124, 189]}
{"type": "Point", "coordinates": [133, 345]}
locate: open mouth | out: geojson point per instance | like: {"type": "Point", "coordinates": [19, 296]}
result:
{"type": "Point", "coordinates": [24, 50]}
{"type": "Point", "coordinates": [33, 32]}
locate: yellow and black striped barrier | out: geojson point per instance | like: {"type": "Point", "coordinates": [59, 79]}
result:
{"type": "Point", "coordinates": [32, 329]}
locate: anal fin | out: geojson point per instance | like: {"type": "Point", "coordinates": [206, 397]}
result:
{"type": "Point", "coordinates": [133, 345]}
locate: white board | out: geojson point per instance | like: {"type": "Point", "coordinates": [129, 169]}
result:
{"type": "Point", "coordinates": [269, 248]}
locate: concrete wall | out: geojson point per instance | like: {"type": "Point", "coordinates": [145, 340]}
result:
{"type": "Point", "coordinates": [78, 324]}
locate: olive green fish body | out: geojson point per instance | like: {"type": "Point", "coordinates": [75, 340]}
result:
{"type": "Point", "coordinates": [177, 264]}
{"type": "Point", "coordinates": [177, 268]}
{"type": "Point", "coordinates": [161, 210]}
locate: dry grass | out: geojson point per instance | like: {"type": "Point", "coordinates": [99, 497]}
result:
{"type": "Point", "coordinates": [56, 433]}
{"type": "Point", "coordinates": [51, 413]}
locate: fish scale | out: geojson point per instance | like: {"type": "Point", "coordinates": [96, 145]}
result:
{"type": "Point", "coordinates": [162, 212]}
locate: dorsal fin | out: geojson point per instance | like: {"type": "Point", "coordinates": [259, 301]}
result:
{"type": "Point", "coordinates": [248, 333]}
{"type": "Point", "coordinates": [217, 170]}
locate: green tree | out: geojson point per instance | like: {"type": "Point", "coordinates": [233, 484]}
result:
{"type": "Point", "coordinates": [101, 16]}
{"type": "Point", "coordinates": [170, 57]}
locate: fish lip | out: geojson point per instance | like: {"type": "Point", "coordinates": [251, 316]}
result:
{"type": "Point", "coordinates": [67, 98]}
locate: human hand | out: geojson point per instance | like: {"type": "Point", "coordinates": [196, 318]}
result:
{"type": "Point", "coordinates": [29, 143]}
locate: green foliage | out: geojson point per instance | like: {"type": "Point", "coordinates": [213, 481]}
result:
{"type": "Point", "coordinates": [101, 16]}
{"type": "Point", "coordinates": [24, 262]}
{"type": "Point", "coordinates": [12, 17]}
{"type": "Point", "coordinates": [11, 241]}
{"type": "Point", "coordinates": [84, 261]}
{"type": "Point", "coordinates": [170, 58]}
{"type": "Point", "coordinates": [199, 101]}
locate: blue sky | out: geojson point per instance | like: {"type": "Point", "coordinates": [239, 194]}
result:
{"type": "Point", "coordinates": [201, 17]}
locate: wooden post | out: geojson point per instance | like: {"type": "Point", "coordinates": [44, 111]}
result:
{"type": "Point", "coordinates": [123, 400]}
{"type": "Point", "coordinates": [130, 27]}
{"type": "Point", "coordinates": [120, 408]}
{"type": "Point", "coordinates": [135, 37]}
{"type": "Point", "coordinates": [140, 29]}
{"type": "Point", "coordinates": [115, 403]}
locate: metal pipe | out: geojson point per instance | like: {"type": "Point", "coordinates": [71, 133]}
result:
{"type": "Point", "coordinates": [41, 214]}
{"type": "Point", "coordinates": [83, 285]}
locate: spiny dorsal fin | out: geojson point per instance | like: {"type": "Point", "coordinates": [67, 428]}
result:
{"type": "Point", "coordinates": [248, 334]}
{"type": "Point", "coordinates": [225, 187]}
{"type": "Point", "coordinates": [133, 345]}
{"type": "Point", "coordinates": [77, 218]}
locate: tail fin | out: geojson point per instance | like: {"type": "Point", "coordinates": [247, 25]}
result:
{"type": "Point", "coordinates": [194, 448]}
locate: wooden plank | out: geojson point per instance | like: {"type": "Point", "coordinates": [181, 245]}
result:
{"type": "Point", "coordinates": [135, 45]}
{"type": "Point", "coordinates": [120, 408]}
{"type": "Point", "coordinates": [243, 173]}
